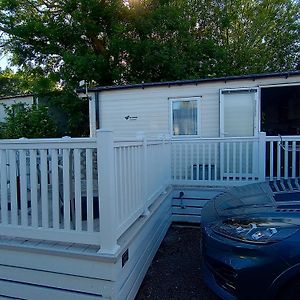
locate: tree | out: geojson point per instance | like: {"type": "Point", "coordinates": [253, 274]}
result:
{"type": "Point", "coordinates": [70, 112]}
{"type": "Point", "coordinates": [117, 41]}
{"type": "Point", "coordinates": [10, 83]}
{"type": "Point", "coordinates": [255, 36]}
{"type": "Point", "coordinates": [68, 39]}
{"type": "Point", "coordinates": [30, 122]}
{"type": "Point", "coordinates": [161, 42]}
{"type": "Point", "coordinates": [106, 42]}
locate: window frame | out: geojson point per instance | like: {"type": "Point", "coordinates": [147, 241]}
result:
{"type": "Point", "coordinates": [198, 127]}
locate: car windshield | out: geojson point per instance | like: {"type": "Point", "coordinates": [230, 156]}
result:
{"type": "Point", "coordinates": [243, 199]}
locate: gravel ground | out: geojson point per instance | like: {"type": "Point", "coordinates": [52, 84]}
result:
{"type": "Point", "coordinates": [175, 272]}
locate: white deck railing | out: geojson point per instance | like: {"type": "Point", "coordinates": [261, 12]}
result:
{"type": "Point", "coordinates": [49, 187]}
{"type": "Point", "coordinates": [46, 188]}
{"type": "Point", "coordinates": [218, 160]}
{"type": "Point", "coordinates": [282, 157]}
{"type": "Point", "coordinates": [131, 175]}
{"type": "Point", "coordinates": [91, 190]}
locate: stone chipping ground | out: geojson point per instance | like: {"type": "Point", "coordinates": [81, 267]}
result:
{"type": "Point", "coordinates": [175, 272]}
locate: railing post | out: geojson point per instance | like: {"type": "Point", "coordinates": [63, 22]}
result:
{"type": "Point", "coordinates": [262, 156]}
{"type": "Point", "coordinates": [168, 153]}
{"type": "Point", "coordinates": [107, 191]}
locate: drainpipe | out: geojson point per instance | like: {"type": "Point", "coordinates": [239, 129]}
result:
{"type": "Point", "coordinates": [92, 115]}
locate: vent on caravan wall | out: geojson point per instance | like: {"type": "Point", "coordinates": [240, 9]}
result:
{"type": "Point", "coordinates": [239, 91]}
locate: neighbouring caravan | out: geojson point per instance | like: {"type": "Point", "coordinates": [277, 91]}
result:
{"type": "Point", "coordinates": [28, 99]}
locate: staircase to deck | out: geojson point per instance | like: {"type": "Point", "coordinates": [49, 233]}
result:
{"type": "Point", "coordinates": [187, 202]}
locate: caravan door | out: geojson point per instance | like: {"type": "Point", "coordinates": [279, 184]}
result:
{"type": "Point", "coordinates": [239, 118]}
{"type": "Point", "coordinates": [238, 112]}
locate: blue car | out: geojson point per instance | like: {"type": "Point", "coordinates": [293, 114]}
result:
{"type": "Point", "coordinates": [251, 245]}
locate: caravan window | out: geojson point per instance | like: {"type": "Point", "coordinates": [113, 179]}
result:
{"type": "Point", "coordinates": [184, 117]}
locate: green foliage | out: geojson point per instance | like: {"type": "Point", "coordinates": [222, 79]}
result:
{"type": "Point", "coordinates": [30, 122]}
{"type": "Point", "coordinates": [117, 41]}
{"type": "Point", "coordinates": [11, 84]}
{"type": "Point", "coordinates": [25, 81]}
{"type": "Point", "coordinates": [70, 112]}
{"type": "Point", "coordinates": [255, 36]}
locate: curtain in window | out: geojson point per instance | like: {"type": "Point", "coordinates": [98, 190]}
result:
{"type": "Point", "coordinates": [184, 117]}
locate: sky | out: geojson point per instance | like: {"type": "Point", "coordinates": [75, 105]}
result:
{"type": "Point", "coordinates": [3, 61]}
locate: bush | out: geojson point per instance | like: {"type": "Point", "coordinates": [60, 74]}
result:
{"type": "Point", "coordinates": [28, 121]}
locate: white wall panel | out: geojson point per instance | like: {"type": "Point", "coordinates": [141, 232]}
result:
{"type": "Point", "coordinates": [151, 106]}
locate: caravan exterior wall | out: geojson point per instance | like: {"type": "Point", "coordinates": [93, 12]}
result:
{"type": "Point", "coordinates": [8, 101]}
{"type": "Point", "coordinates": [131, 111]}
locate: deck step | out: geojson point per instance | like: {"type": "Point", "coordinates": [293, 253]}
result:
{"type": "Point", "coordinates": [289, 185]}
{"type": "Point", "coordinates": [188, 203]}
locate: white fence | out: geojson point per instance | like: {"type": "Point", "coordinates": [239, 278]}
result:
{"type": "Point", "coordinates": [225, 161]}
{"type": "Point", "coordinates": [91, 190]}
{"type": "Point", "coordinates": [49, 187]}
{"type": "Point", "coordinates": [131, 175]}
{"type": "Point", "coordinates": [45, 189]}
{"type": "Point", "coordinates": [282, 157]}
{"type": "Point", "coordinates": [218, 161]}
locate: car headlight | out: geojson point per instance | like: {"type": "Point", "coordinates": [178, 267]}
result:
{"type": "Point", "coordinates": [254, 230]}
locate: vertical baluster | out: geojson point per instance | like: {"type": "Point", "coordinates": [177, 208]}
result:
{"type": "Point", "coordinates": [185, 162]}
{"type": "Point", "coordinates": [130, 180]}
{"type": "Point", "coordinates": [77, 180]}
{"type": "Point", "coordinates": [241, 161]}
{"type": "Point", "coordinates": [117, 180]}
{"type": "Point", "coordinates": [294, 159]}
{"type": "Point", "coordinates": [127, 183]}
{"type": "Point", "coordinates": [180, 159]}
{"type": "Point", "coordinates": [120, 185]}
{"type": "Point", "coordinates": [4, 186]}
{"type": "Point", "coordinates": [228, 160]}
{"type": "Point", "coordinates": [124, 197]}
{"type": "Point", "coordinates": [89, 189]}
{"type": "Point", "coordinates": [198, 160]}
{"type": "Point", "coordinates": [216, 164]}
{"type": "Point", "coordinates": [139, 174]}
{"type": "Point", "coordinates": [55, 188]}
{"type": "Point", "coordinates": [271, 160]}
{"type": "Point", "coordinates": [247, 160]}
{"type": "Point", "coordinates": [203, 161]}
{"type": "Point", "coordinates": [66, 189]}
{"type": "Point", "coordinates": [23, 188]}
{"type": "Point", "coordinates": [175, 161]}
{"type": "Point", "coordinates": [234, 160]}
{"type": "Point", "coordinates": [134, 176]}
{"type": "Point", "coordinates": [222, 161]}
{"type": "Point", "coordinates": [286, 160]}
{"type": "Point", "coordinates": [209, 161]}
{"type": "Point", "coordinates": [13, 187]}
{"type": "Point", "coordinates": [192, 160]}
{"type": "Point", "coordinates": [34, 188]}
{"type": "Point", "coordinates": [278, 161]}
{"type": "Point", "coordinates": [150, 168]}
{"type": "Point", "coordinates": [44, 189]}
